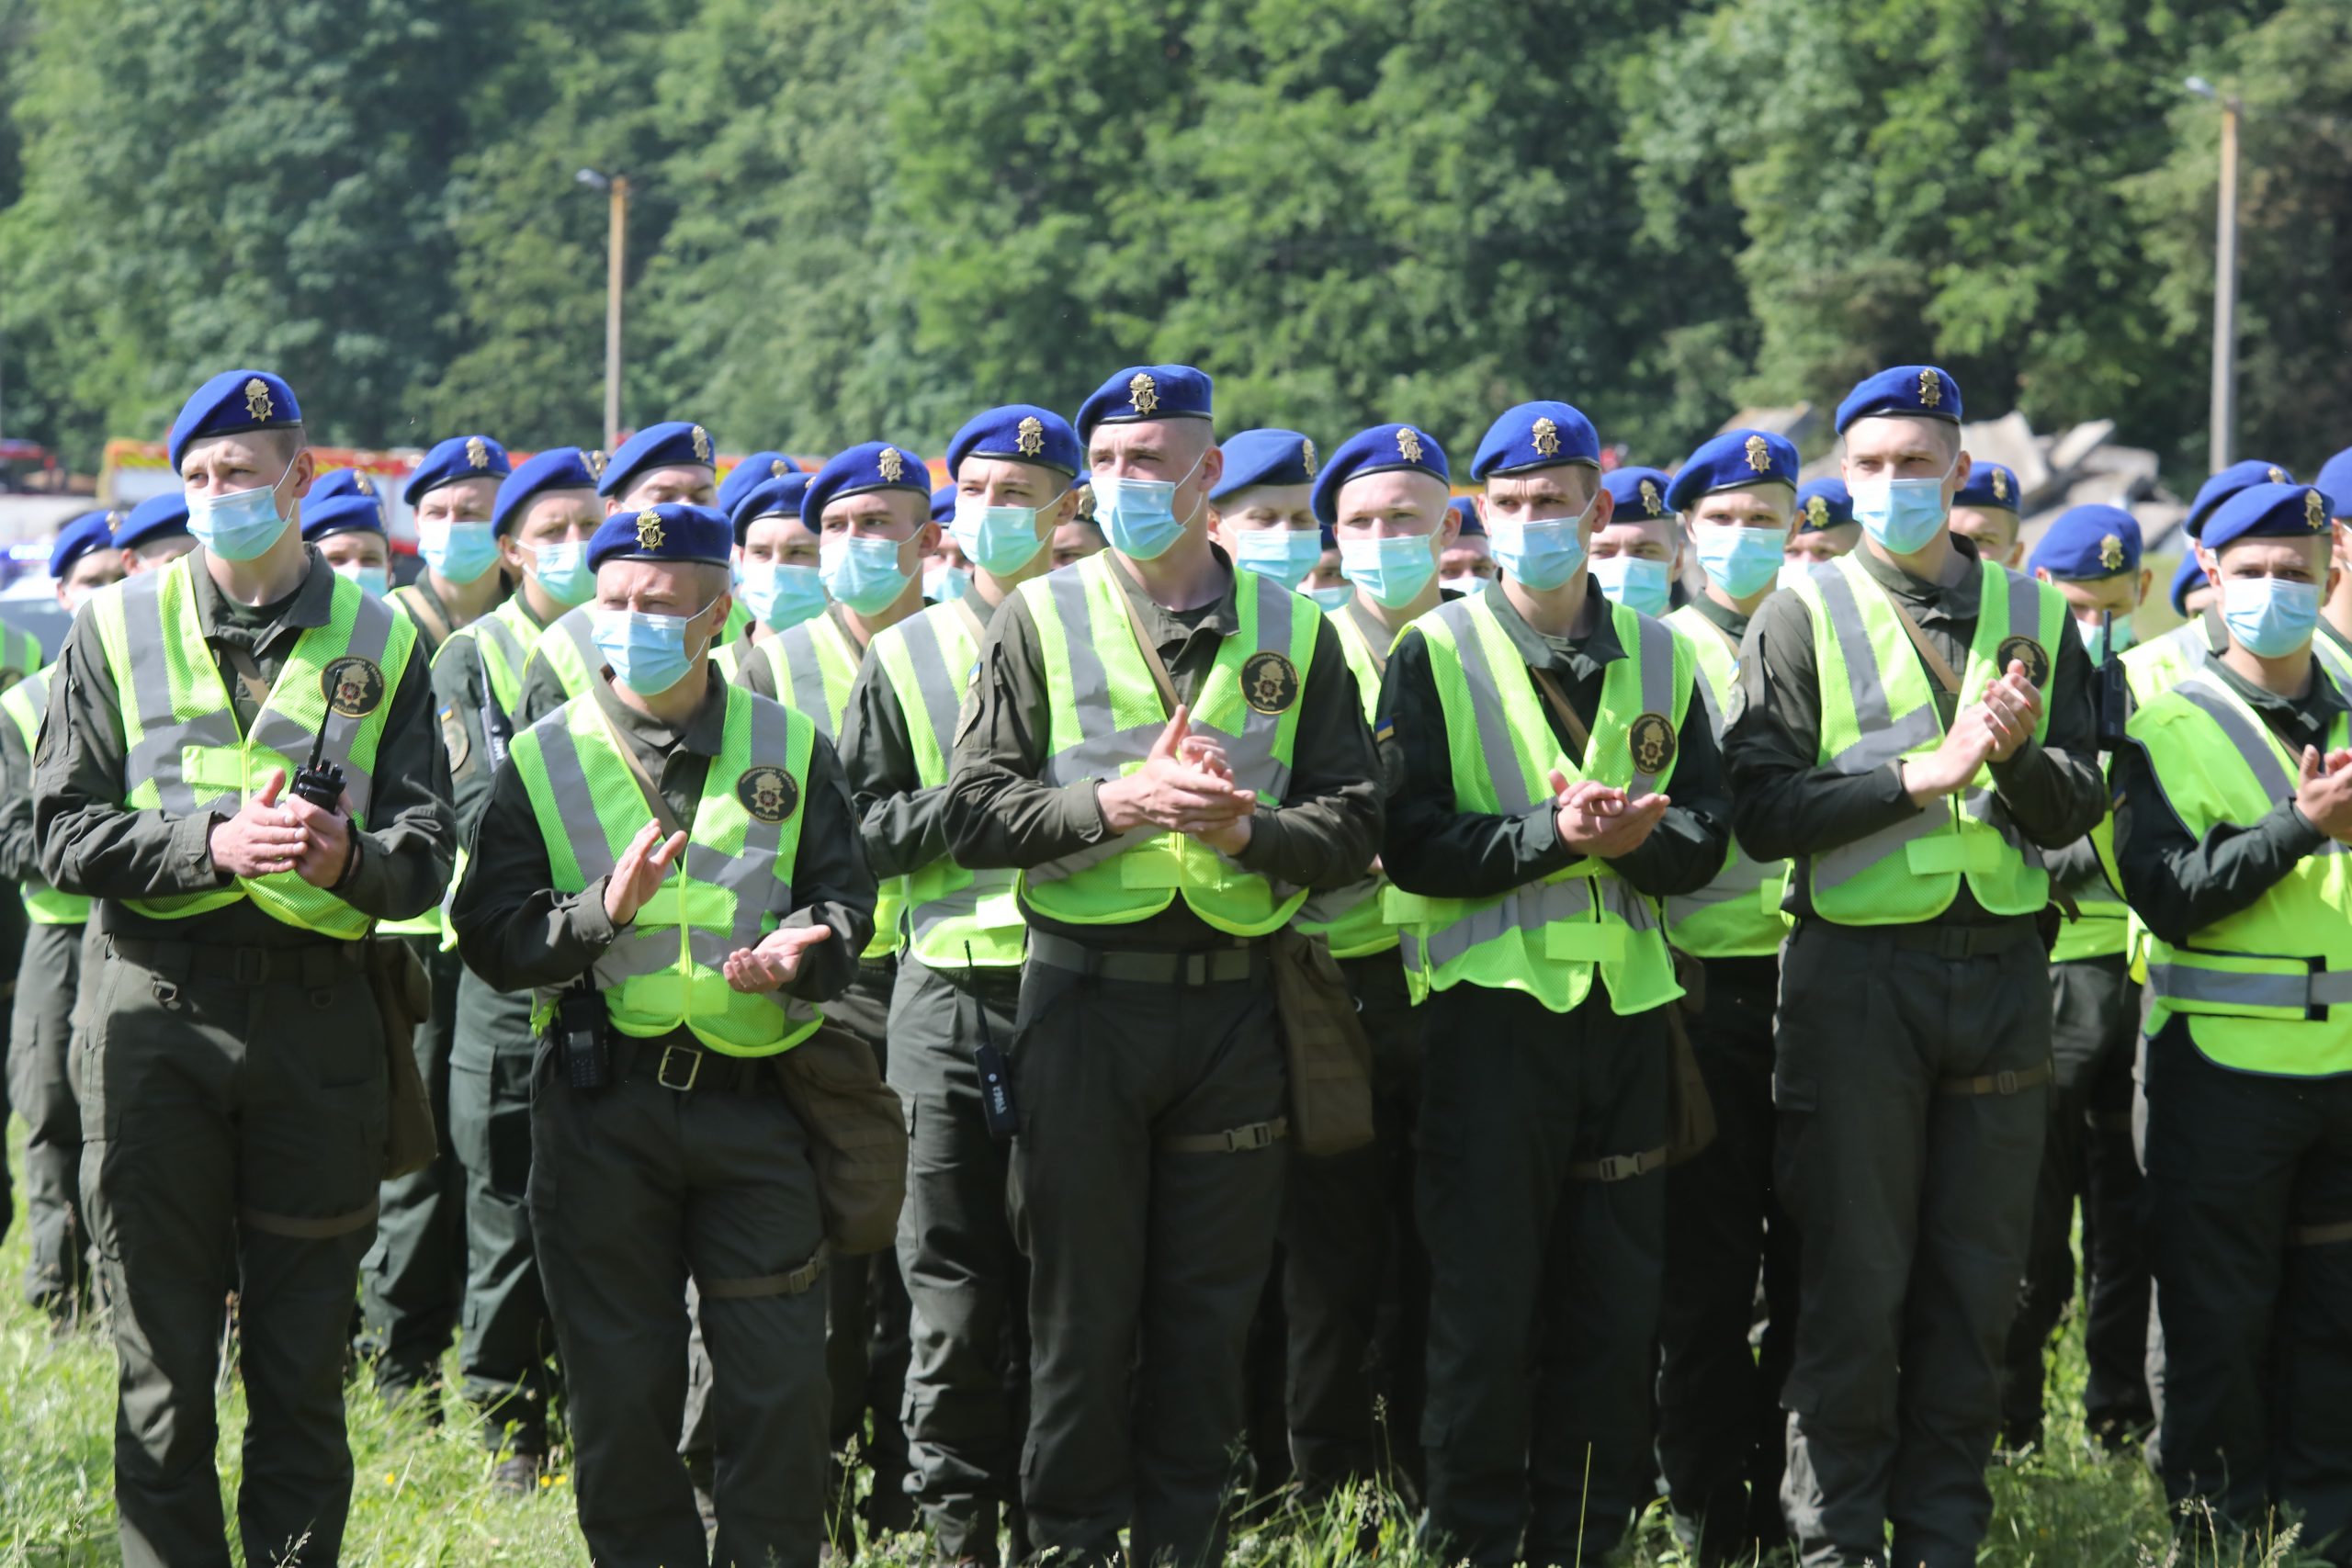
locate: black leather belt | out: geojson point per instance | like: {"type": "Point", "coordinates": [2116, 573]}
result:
{"type": "Point", "coordinates": [679, 1062]}
{"type": "Point", "coordinates": [1206, 966]}
{"type": "Point", "coordinates": [1944, 942]}
{"type": "Point", "coordinates": [315, 964]}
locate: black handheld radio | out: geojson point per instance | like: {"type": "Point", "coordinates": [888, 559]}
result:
{"type": "Point", "coordinates": [998, 1111]}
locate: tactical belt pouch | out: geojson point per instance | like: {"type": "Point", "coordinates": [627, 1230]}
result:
{"type": "Point", "coordinates": [857, 1136]}
{"type": "Point", "coordinates": [404, 999]}
{"type": "Point", "coordinates": [1330, 1055]}
{"type": "Point", "coordinates": [1689, 1113]}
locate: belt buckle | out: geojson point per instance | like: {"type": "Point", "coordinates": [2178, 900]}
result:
{"type": "Point", "coordinates": [2005, 1082]}
{"type": "Point", "coordinates": [694, 1069]}
{"type": "Point", "coordinates": [1195, 970]}
{"type": "Point", "coordinates": [1257, 1135]}
{"type": "Point", "coordinates": [249, 966]}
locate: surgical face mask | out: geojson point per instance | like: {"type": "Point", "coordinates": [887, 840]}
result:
{"type": "Point", "coordinates": [1539, 556]}
{"type": "Point", "coordinates": [2271, 616]}
{"type": "Point", "coordinates": [1000, 540]}
{"type": "Point", "coordinates": [2100, 641]}
{"type": "Point", "coordinates": [1794, 570]}
{"type": "Point", "coordinates": [648, 652]}
{"type": "Point", "coordinates": [239, 525]}
{"type": "Point", "coordinates": [1139, 515]}
{"type": "Point", "coordinates": [780, 596]}
{"type": "Point", "coordinates": [1634, 582]}
{"type": "Point", "coordinates": [1903, 515]}
{"type": "Point", "coordinates": [562, 572]}
{"type": "Point", "coordinates": [375, 580]}
{"type": "Point", "coordinates": [863, 573]}
{"type": "Point", "coordinates": [1740, 561]}
{"type": "Point", "coordinates": [1334, 598]}
{"type": "Point", "coordinates": [458, 551]}
{"type": "Point", "coordinates": [1393, 571]}
{"type": "Point", "coordinates": [943, 583]}
{"type": "Point", "coordinates": [1286, 555]}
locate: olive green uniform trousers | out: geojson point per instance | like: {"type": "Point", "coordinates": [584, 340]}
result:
{"type": "Point", "coordinates": [41, 1088]}
{"type": "Point", "coordinates": [233, 1115]}
{"type": "Point", "coordinates": [413, 1277]}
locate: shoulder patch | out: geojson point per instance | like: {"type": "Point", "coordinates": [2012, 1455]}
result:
{"type": "Point", "coordinates": [1270, 682]}
{"type": "Point", "coordinates": [2026, 651]}
{"type": "Point", "coordinates": [768, 793]}
{"type": "Point", "coordinates": [354, 686]}
{"type": "Point", "coordinates": [1651, 739]}
{"type": "Point", "coordinates": [454, 739]}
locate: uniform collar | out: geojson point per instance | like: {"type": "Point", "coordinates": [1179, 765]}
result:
{"type": "Point", "coordinates": [1165, 625]}
{"type": "Point", "coordinates": [1596, 647]}
{"type": "Point", "coordinates": [1937, 601]}
{"type": "Point", "coordinates": [2309, 716]}
{"type": "Point", "coordinates": [705, 731]}
{"type": "Point", "coordinates": [1733, 624]}
{"type": "Point", "coordinates": [312, 604]}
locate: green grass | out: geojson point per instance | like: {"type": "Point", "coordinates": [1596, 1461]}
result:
{"type": "Point", "coordinates": [421, 1496]}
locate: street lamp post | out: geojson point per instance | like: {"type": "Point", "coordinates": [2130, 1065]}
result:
{"type": "Point", "coordinates": [2224, 410]}
{"type": "Point", "coordinates": [616, 266]}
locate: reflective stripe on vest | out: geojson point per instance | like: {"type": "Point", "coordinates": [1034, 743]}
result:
{"type": "Point", "coordinates": [665, 968]}
{"type": "Point", "coordinates": [24, 703]}
{"type": "Point", "coordinates": [2256, 985]}
{"type": "Point", "coordinates": [1546, 938]}
{"type": "Point", "coordinates": [1911, 871]}
{"type": "Point", "coordinates": [2154, 668]}
{"type": "Point", "coordinates": [1738, 914]}
{"type": "Point", "coordinates": [182, 752]}
{"type": "Point", "coordinates": [813, 667]}
{"type": "Point", "coordinates": [572, 658]}
{"type": "Point", "coordinates": [1105, 712]}
{"type": "Point", "coordinates": [954, 919]}
{"type": "Point", "coordinates": [1351, 919]}
{"type": "Point", "coordinates": [20, 655]}
{"type": "Point", "coordinates": [507, 636]}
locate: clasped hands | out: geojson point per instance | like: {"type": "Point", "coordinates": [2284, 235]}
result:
{"type": "Point", "coordinates": [645, 865]}
{"type": "Point", "coordinates": [275, 832]}
{"type": "Point", "coordinates": [1185, 785]}
{"type": "Point", "coordinates": [1987, 731]}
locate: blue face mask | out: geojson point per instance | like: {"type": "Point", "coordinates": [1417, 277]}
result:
{"type": "Point", "coordinates": [562, 572]}
{"type": "Point", "coordinates": [1636, 584]}
{"type": "Point", "coordinates": [1541, 556]}
{"type": "Point", "coordinates": [1286, 555]}
{"type": "Point", "coordinates": [1740, 561]}
{"type": "Point", "coordinates": [1393, 571]}
{"type": "Point", "coordinates": [458, 551]}
{"type": "Point", "coordinates": [1138, 516]}
{"type": "Point", "coordinates": [374, 580]}
{"type": "Point", "coordinates": [945, 584]}
{"type": "Point", "coordinates": [1334, 598]}
{"type": "Point", "coordinates": [862, 573]}
{"type": "Point", "coordinates": [1903, 515]}
{"type": "Point", "coordinates": [239, 525]}
{"type": "Point", "coordinates": [2270, 616]}
{"type": "Point", "coordinates": [1000, 540]}
{"type": "Point", "coordinates": [780, 596]}
{"type": "Point", "coordinates": [648, 652]}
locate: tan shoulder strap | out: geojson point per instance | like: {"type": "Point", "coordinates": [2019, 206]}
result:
{"type": "Point", "coordinates": [1150, 649]}
{"type": "Point", "coordinates": [419, 605]}
{"type": "Point", "coordinates": [600, 693]}
{"type": "Point", "coordinates": [1938, 666]}
{"type": "Point", "coordinates": [1564, 710]}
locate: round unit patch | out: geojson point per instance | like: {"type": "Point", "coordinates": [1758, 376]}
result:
{"type": "Point", "coordinates": [2026, 651]}
{"type": "Point", "coordinates": [1651, 739]}
{"type": "Point", "coordinates": [768, 793]}
{"type": "Point", "coordinates": [1270, 682]}
{"type": "Point", "coordinates": [354, 686]}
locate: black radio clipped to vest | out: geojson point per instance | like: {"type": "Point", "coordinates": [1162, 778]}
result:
{"type": "Point", "coordinates": [577, 1032]}
{"type": "Point", "coordinates": [998, 1111]}
{"type": "Point", "coordinates": [319, 781]}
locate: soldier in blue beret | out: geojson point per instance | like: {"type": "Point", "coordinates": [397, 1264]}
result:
{"type": "Point", "coordinates": [1170, 750]}
{"type": "Point", "coordinates": [1010, 472]}
{"type": "Point", "coordinates": [1080, 536]}
{"type": "Point", "coordinates": [2219, 488]}
{"type": "Point", "coordinates": [1986, 511]}
{"type": "Point", "coordinates": [678, 1159]}
{"type": "Point", "coordinates": [1637, 554]}
{"type": "Point", "coordinates": [2156, 665]}
{"type": "Point", "coordinates": [450, 494]}
{"type": "Point", "coordinates": [154, 533]}
{"type": "Point", "coordinates": [1529, 727]}
{"type": "Point", "coordinates": [2091, 554]}
{"type": "Point", "coordinates": [1261, 510]}
{"type": "Point", "coordinates": [1915, 729]}
{"type": "Point", "coordinates": [349, 533]}
{"type": "Point", "coordinates": [1468, 561]}
{"type": "Point", "coordinates": [242, 1001]}
{"type": "Point", "coordinates": [1824, 528]}
{"type": "Point", "coordinates": [83, 559]}
{"type": "Point", "coordinates": [2238, 797]}
{"type": "Point", "coordinates": [2191, 589]}
{"type": "Point", "coordinates": [1719, 1432]}
{"type": "Point", "coordinates": [776, 564]}
{"type": "Point", "coordinates": [674, 461]}
{"type": "Point", "coordinates": [756, 469]}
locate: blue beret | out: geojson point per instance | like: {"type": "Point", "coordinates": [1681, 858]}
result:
{"type": "Point", "coordinates": [674, 444]}
{"type": "Point", "coordinates": [1535, 436]}
{"type": "Point", "coordinates": [1466, 509]}
{"type": "Point", "coordinates": [943, 502]}
{"type": "Point", "coordinates": [1919, 391]}
{"type": "Point", "coordinates": [341, 514]}
{"type": "Point", "coordinates": [459, 457]}
{"type": "Point", "coordinates": [2336, 480]}
{"type": "Point", "coordinates": [1638, 494]}
{"type": "Point", "coordinates": [2227, 483]}
{"type": "Point", "coordinates": [2186, 577]}
{"type": "Point", "coordinates": [557, 468]}
{"type": "Point", "coordinates": [869, 464]}
{"type": "Point", "coordinates": [1991, 487]}
{"type": "Point", "coordinates": [1018, 432]}
{"type": "Point", "coordinates": [1254, 458]}
{"type": "Point", "coordinates": [671, 532]}
{"type": "Point", "coordinates": [767, 499]}
{"type": "Point", "coordinates": [755, 470]}
{"type": "Point", "coordinates": [91, 531]}
{"type": "Point", "coordinates": [1145, 392]}
{"type": "Point", "coordinates": [2088, 543]}
{"type": "Point", "coordinates": [232, 401]}
{"type": "Point", "coordinates": [1732, 460]}
{"type": "Point", "coordinates": [157, 517]}
{"type": "Point", "coordinates": [1824, 503]}
{"type": "Point", "coordinates": [2266, 512]}
{"type": "Point", "coordinates": [1378, 450]}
